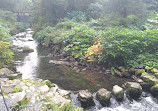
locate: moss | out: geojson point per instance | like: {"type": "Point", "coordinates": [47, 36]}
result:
{"type": "Point", "coordinates": [69, 107]}
{"type": "Point", "coordinates": [17, 89]}
{"type": "Point", "coordinates": [138, 72]}
{"type": "Point", "coordinates": [149, 78]}
{"type": "Point", "coordinates": [120, 96]}
{"type": "Point", "coordinates": [134, 93]}
{"type": "Point", "coordinates": [23, 103]}
{"type": "Point", "coordinates": [13, 76]}
{"type": "Point", "coordinates": [148, 69]}
{"type": "Point", "coordinates": [154, 90]}
{"type": "Point", "coordinates": [122, 69]}
{"type": "Point", "coordinates": [48, 83]}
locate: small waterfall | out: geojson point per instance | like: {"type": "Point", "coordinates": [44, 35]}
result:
{"type": "Point", "coordinates": [146, 103]}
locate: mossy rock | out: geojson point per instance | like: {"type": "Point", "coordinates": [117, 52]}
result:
{"type": "Point", "coordinates": [134, 93]}
{"type": "Point", "coordinates": [134, 90]}
{"type": "Point", "coordinates": [154, 71]}
{"type": "Point", "coordinates": [118, 93]}
{"type": "Point", "coordinates": [14, 76]}
{"type": "Point", "coordinates": [122, 69]}
{"type": "Point", "coordinates": [131, 71]}
{"type": "Point", "coordinates": [154, 90]}
{"type": "Point", "coordinates": [148, 78]}
{"type": "Point", "coordinates": [148, 69]}
{"type": "Point", "coordinates": [17, 89]}
{"type": "Point", "coordinates": [27, 50]}
{"type": "Point", "coordinates": [48, 83]}
{"type": "Point", "coordinates": [146, 86]}
{"type": "Point", "coordinates": [138, 72]}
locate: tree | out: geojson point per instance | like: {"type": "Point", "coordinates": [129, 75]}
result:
{"type": "Point", "coordinates": [125, 7]}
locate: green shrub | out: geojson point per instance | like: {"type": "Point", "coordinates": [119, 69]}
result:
{"type": "Point", "coordinates": [50, 35]}
{"type": "Point", "coordinates": [20, 26]}
{"type": "Point", "coordinates": [66, 24]}
{"type": "Point", "coordinates": [8, 20]}
{"type": "Point", "coordinates": [121, 46]}
{"type": "Point", "coordinates": [42, 34]}
{"type": "Point", "coordinates": [78, 40]}
{"type": "Point", "coordinates": [6, 54]}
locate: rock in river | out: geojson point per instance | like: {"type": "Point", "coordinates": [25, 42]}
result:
{"type": "Point", "coordinates": [148, 78]}
{"type": "Point", "coordinates": [103, 97]}
{"type": "Point", "coordinates": [118, 92]}
{"type": "Point", "coordinates": [86, 98]}
{"type": "Point", "coordinates": [154, 90]}
{"type": "Point", "coordinates": [134, 90]}
{"type": "Point", "coordinates": [27, 50]}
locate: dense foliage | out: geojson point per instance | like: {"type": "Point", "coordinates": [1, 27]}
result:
{"type": "Point", "coordinates": [6, 54]}
{"type": "Point", "coordinates": [112, 32]}
{"type": "Point", "coordinates": [121, 46]}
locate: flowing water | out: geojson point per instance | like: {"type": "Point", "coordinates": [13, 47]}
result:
{"type": "Point", "coordinates": [36, 65]}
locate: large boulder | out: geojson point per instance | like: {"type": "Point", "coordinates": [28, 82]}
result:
{"type": "Point", "coordinates": [118, 93]}
{"type": "Point", "coordinates": [103, 97]}
{"type": "Point", "coordinates": [134, 89]}
{"type": "Point", "coordinates": [86, 98]}
{"type": "Point", "coordinates": [154, 90]}
{"type": "Point", "coordinates": [4, 72]}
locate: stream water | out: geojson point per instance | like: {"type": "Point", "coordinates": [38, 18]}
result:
{"type": "Point", "coordinates": [36, 65]}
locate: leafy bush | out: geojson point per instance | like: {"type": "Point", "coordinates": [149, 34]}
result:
{"type": "Point", "coordinates": [66, 24]}
{"type": "Point", "coordinates": [8, 19]}
{"type": "Point", "coordinates": [121, 45]}
{"type": "Point", "coordinates": [78, 40]}
{"type": "Point", "coordinates": [94, 52]}
{"type": "Point", "coordinates": [6, 54]}
{"type": "Point", "coordinates": [42, 34]}
{"type": "Point", "coordinates": [20, 26]}
{"type": "Point", "coordinates": [145, 59]}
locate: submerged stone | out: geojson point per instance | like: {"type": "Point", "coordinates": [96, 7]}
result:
{"type": "Point", "coordinates": [103, 97]}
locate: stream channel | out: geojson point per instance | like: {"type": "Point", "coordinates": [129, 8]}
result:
{"type": "Point", "coordinates": [36, 65]}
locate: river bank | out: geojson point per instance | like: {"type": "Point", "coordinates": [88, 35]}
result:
{"type": "Point", "coordinates": [75, 77]}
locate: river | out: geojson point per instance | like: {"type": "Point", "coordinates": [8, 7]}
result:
{"type": "Point", "coordinates": [36, 65]}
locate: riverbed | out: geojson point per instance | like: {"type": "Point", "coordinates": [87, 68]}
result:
{"type": "Point", "coordinates": [36, 65]}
